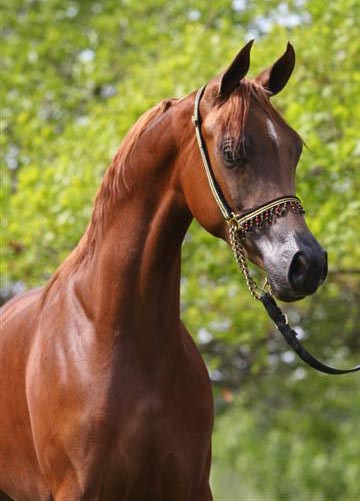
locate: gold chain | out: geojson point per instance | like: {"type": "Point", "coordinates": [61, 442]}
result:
{"type": "Point", "coordinates": [239, 251]}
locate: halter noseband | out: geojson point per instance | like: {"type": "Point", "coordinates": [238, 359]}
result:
{"type": "Point", "coordinates": [240, 224]}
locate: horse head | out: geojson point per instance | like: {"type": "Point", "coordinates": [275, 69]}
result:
{"type": "Point", "coordinates": [253, 153]}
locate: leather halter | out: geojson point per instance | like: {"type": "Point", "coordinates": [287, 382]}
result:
{"type": "Point", "coordinates": [239, 225]}
{"type": "Point", "coordinates": [255, 217]}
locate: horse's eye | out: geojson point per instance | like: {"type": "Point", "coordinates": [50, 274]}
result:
{"type": "Point", "coordinates": [233, 156]}
{"type": "Point", "coordinates": [228, 155]}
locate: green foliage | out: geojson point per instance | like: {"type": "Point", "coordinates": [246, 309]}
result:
{"type": "Point", "coordinates": [76, 75]}
{"type": "Point", "coordinates": [292, 444]}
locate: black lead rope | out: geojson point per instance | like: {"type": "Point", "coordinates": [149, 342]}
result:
{"type": "Point", "coordinates": [290, 335]}
{"type": "Point", "coordinates": [244, 223]}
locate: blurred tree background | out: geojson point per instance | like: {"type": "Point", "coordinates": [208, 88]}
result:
{"type": "Point", "coordinates": [75, 76]}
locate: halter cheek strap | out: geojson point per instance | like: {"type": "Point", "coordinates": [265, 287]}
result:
{"type": "Point", "coordinates": [214, 186]}
{"type": "Point", "coordinates": [239, 225]}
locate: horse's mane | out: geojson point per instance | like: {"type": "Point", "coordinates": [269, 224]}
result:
{"type": "Point", "coordinates": [113, 184]}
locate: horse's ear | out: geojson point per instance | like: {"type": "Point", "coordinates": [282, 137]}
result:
{"type": "Point", "coordinates": [235, 72]}
{"type": "Point", "coordinates": [275, 77]}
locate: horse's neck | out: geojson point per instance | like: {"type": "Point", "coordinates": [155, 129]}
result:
{"type": "Point", "coordinates": [130, 284]}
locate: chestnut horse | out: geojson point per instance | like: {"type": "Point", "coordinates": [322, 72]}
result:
{"type": "Point", "coordinates": [104, 394]}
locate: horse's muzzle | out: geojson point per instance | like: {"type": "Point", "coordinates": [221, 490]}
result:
{"type": "Point", "coordinates": [301, 269]}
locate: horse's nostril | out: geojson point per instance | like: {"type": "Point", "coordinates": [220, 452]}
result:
{"type": "Point", "coordinates": [297, 270]}
{"type": "Point", "coordinates": [307, 271]}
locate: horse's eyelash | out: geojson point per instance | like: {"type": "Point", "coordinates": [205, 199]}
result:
{"type": "Point", "coordinates": [231, 153]}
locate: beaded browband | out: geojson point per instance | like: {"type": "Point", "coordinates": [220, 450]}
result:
{"type": "Point", "coordinates": [239, 225]}
{"type": "Point", "coordinates": [264, 214]}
